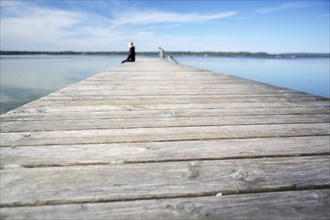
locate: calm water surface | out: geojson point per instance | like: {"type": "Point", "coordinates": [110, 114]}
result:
{"type": "Point", "coordinates": [26, 78]}
{"type": "Point", "coordinates": [311, 75]}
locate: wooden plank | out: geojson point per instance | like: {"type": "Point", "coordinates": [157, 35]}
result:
{"type": "Point", "coordinates": [161, 134]}
{"type": "Point", "coordinates": [176, 100]}
{"type": "Point", "coordinates": [83, 96]}
{"type": "Point", "coordinates": [33, 107]}
{"type": "Point", "coordinates": [61, 185]}
{"type": "Point", "coordinates": [88, 154]}
{"type": "Point", "coordinates": [85, 124]}
{"type": "Point", "coordinates": [90, 93]}
{"type": "Point", "coordinates": [223, 89]}
{"type": "Point", "coordinates": [305, 204]}
{"type": "Point", "coordinates": [95, 114]}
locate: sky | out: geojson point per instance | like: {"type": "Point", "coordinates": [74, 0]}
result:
{"type": "Point", "coordinates": [271, 26]}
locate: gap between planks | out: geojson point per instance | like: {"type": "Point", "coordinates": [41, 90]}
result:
{"type": "Point", "coordinates": [31, 166]}
{"type": "Point", "coordinates": [210, 194]}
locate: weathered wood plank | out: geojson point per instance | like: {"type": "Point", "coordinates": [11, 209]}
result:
{"type": "Point", "coordinates": [33, 107]}
{"type": "Point", "coordinates": [70, 155]}
{"type": "Point", "coordinates": [172, 100]}
{"type": "Point", "coordinates": [161, 134]}
{"type": "Point", "coordinates": [224, 89]}
{"type": "Point", "coordinates": [311, 204]}
{"type": "Point", "coordinates": [108, 114]}
{"type": "Point", "coordinates": [94, 97]}
{"type": "Point", "coordinates": [59, 185]}
{"type": "Point", "coordinates": [171, 104]}
{"type": "Point", "coordinates": [104, 94]}
{"type": "Point", "coordinates": [85, 124]}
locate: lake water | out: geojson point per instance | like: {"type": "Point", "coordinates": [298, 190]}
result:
{"type": "Point", "coordinates": [311, 75]}
{"type": "Point", "coordinates": [26, 78]}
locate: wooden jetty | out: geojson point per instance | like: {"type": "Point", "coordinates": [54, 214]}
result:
{"type": "Point", "coordinates": [159, 140]}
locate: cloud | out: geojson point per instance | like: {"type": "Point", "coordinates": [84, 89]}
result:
{"type": "Point", "coordinates": [26, 25]}
{"type": "Point", "coordinates": [155, 16]}
{"type": "Point", "coordinates": [281, 7]}
{"type": "Point", "coordinates": [41, 26]}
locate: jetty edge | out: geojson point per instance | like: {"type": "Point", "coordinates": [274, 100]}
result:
{"type": "Point", "coordinates": [158, 140]}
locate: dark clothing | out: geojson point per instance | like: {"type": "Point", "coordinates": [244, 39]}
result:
{"type": "Point", "coordinates": [131, 55]}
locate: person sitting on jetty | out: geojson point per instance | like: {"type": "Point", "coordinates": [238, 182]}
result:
{"type": "Point", "coordinates": [131, 53]}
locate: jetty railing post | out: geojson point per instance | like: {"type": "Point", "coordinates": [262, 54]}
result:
{"type": "Point", "coordinates": [165, 55]}
{"type": "Point", "coordinates": [161, 53]}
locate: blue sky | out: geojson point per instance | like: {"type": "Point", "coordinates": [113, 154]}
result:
{"type": "Point", "coordinates": [217, 25]}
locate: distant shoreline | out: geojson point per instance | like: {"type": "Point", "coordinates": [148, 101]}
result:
{"type": "Point", "coordinates": [173, 53]}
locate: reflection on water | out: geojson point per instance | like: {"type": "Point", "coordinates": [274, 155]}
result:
{"type": "Point", "coordinates": [311, 75]}
{"type": "Point", "coordinates": [26, 78]}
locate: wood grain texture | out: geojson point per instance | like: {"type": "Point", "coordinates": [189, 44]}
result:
{"type": "Point", "coordinates": [79, 114]}
{"type": "Point", "coordinates": [176, 121]}
{"type": "Point", "coordinates": [88, 154]}
{"type": "Point", "coordinates": [312, 204]}
{"type": "Point", "coordinates": [59, 185]}
{"type": "Point", "coordinates": [161, 134]}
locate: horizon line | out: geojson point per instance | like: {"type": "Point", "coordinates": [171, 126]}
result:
{"type": "Point", "coordinates": [156, 51]}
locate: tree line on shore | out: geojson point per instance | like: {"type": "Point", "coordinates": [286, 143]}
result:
{"type": "Point", "coordinates": [173, 53]}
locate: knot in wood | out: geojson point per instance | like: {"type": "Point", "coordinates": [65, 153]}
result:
{"type": "Point", "coordinates": [187, 207]}
{"type": "Point", "coordinates": [240, 175]}
{"type": "Point", "coordinates": [191, 171]}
